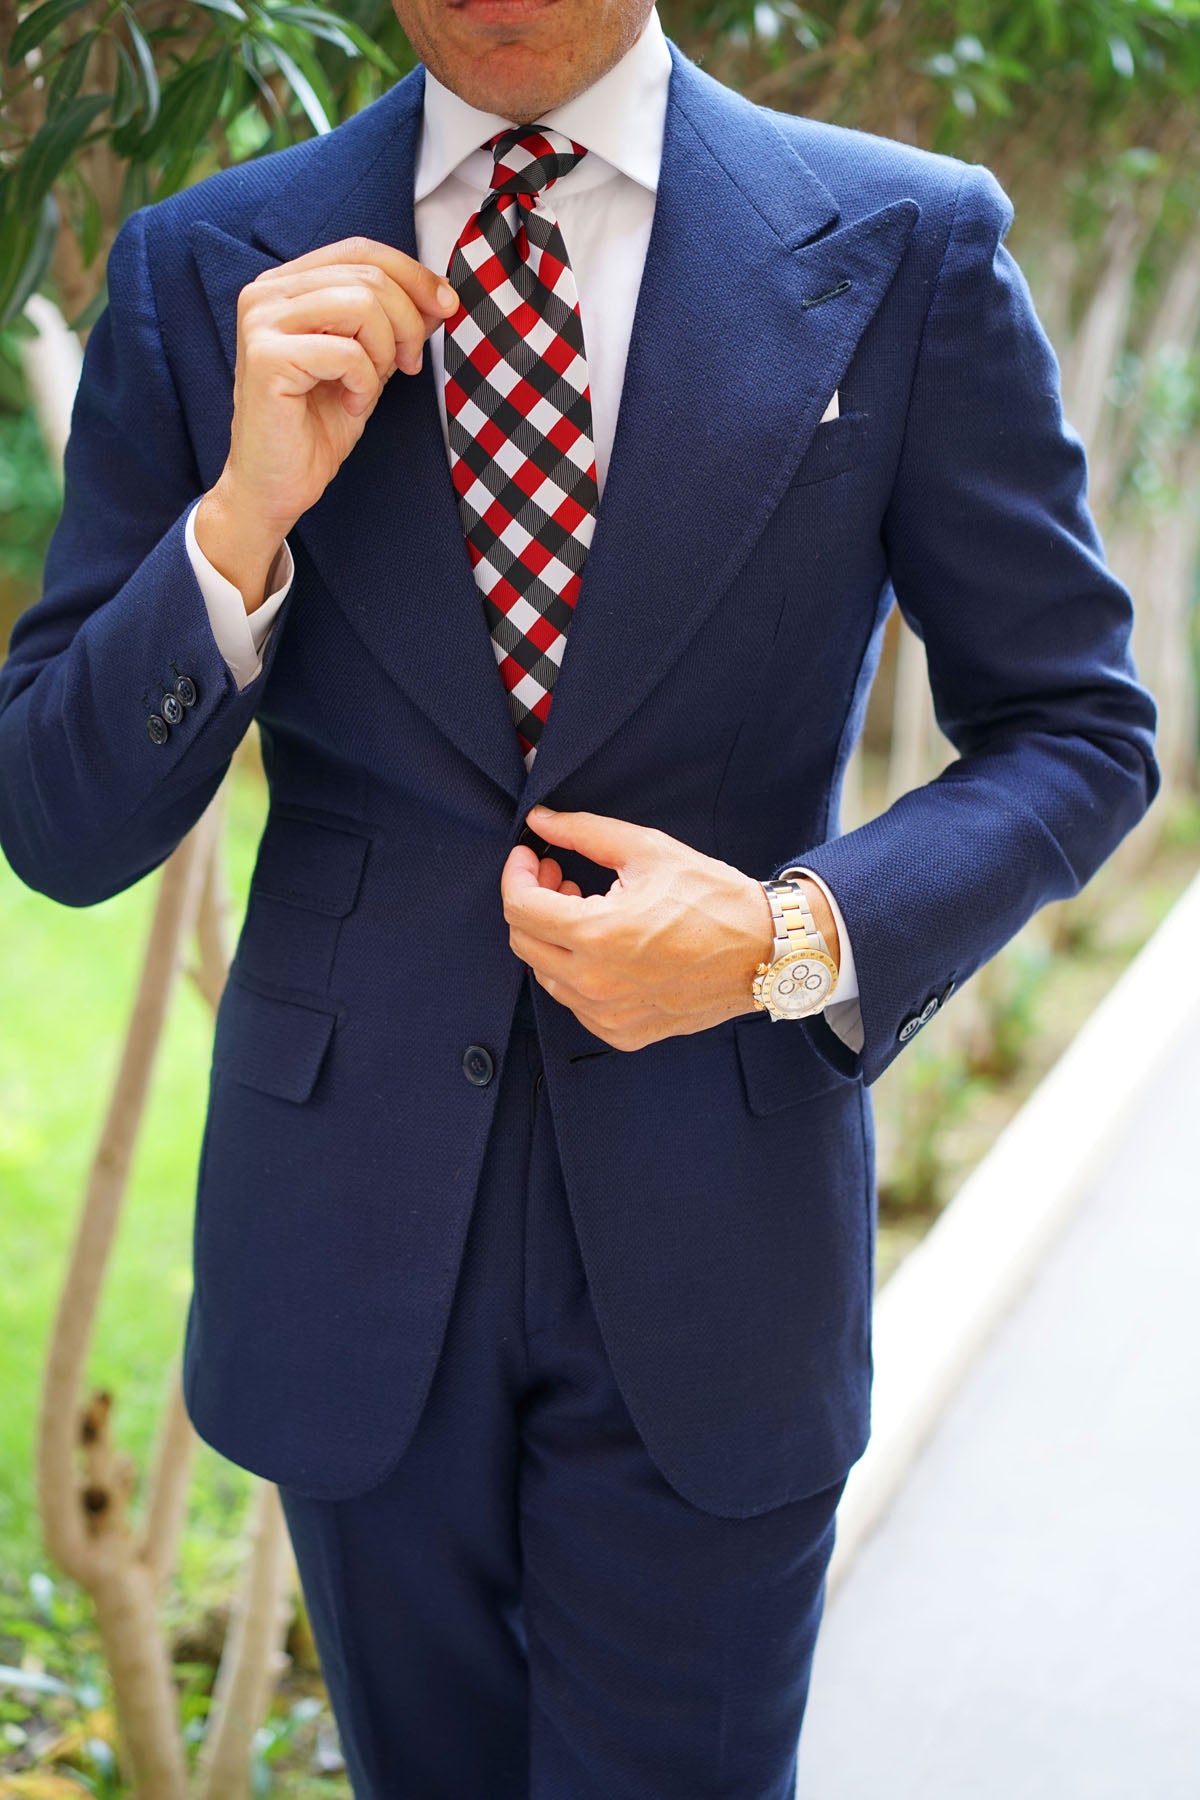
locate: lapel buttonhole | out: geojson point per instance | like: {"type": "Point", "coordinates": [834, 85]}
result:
{"type": "Point", "coordinates": [843, 287]}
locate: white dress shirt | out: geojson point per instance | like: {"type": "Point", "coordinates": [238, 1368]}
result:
{"type": "Point", "coordinates": [605, 208]}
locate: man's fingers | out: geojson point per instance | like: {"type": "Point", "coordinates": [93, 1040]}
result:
{"type": "Point", "coordinates": [423, 285]}
{"type": "Point", "coordinates": [349, 312]}
{"type": "Point", "coordinates": [546, 914]}
{"type": "Point", "coordinates": [613, 843]}
{"type": "Point", "coordinates": [543, 958]}
{"type": "Point", "coordinates": [303, 359]}
{"type": "Point", "coordinates": [278, 289]}
{"type": "Point", "coordinates": [522, 858]}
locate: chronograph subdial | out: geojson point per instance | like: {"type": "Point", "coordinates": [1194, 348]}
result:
{"type": "Point", "coordinates": [800, 984]}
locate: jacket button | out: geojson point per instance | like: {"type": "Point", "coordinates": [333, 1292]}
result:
{"type": "Point", "coordinates": [539, 845]}
{"type": "Point", "coordinates": [477, 1065]}
{"type": "Point", "coordinates": [158, 728]}
{"type": "Point", "coordinates": [540, 1082]}
{"type": "Point", "coordinates": [172, 708]}
{"type": "Point", "coordinates": [185, 687]}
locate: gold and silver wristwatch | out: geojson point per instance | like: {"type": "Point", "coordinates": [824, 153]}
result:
{"type": "Point", "coordinates": [802, 975]}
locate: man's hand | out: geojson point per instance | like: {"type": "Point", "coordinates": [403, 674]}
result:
{"type": "Point", "coordinates": [671, 948]}
{"type": "Point", "coordinates": [317, 339]}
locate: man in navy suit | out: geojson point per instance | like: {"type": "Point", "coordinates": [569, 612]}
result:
{"type": "Point", "coordinates": [532, 1262]}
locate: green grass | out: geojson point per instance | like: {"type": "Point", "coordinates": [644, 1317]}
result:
{"type": "Point", "coordinates": [68, 979]}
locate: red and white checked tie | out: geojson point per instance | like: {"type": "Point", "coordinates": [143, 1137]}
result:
{"type": "Point", "coordinates": [519, 415]}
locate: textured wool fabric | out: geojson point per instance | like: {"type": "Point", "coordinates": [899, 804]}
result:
{"type": "Point", "coordinates": [519, 417]}
{"type": "Point", "coordinates": [522, 1608]}
{"type": "Point", "coordinates": [720, 1182]}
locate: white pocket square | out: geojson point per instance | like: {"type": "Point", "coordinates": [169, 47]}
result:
{"type": "Point", "coordinates": [833, 410]}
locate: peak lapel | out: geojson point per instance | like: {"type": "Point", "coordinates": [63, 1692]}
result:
{"type": "Point", "coordinates": [385, 537]}
{"type": "Point", "coordinates": [727, 378]}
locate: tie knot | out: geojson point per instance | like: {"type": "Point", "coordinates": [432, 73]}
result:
{"type": "Point", "coordinates": [529, 158]}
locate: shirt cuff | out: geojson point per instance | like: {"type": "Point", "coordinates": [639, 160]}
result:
{"type": "Point", "coordinates": [240, 636]}
{"type": "Point", "coordinates": [842, 1014]}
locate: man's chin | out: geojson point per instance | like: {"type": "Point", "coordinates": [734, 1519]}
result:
{"type": "Point", "coordinates": [516, 89]}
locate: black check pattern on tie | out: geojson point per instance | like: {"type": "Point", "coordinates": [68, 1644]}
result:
{"type": "Point", "coordinates": [519, 418]}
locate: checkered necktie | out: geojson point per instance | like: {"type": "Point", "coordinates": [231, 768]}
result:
{"type": "Point", "coordinates": [519, 413]}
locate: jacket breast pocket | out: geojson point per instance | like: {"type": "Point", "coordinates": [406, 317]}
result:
{"type": "Point", "coordinates": [310, 862]}
{"type": "Point", "coordinates": [836, 446]}
{"type": "Point", "coordinates": [305, 882]}
{"type": "Point", "coordinates": [270, 1042]}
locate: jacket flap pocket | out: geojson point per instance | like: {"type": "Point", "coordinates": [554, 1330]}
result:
{"type": "Point", "coordinates": [779, 1064]}
{"type": "Point", "coordinates": [309, 863]}
{"type": "Point", "coordinates": [272, 1044]}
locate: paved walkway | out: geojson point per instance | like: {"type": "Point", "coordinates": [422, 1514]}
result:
{"type": "Point", "coordinates": [1024, 1624]}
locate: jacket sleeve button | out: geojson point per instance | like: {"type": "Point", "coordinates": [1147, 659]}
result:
{"type": "Point", "coordinates": [172, 708]}
{"type": "Point", "coordinates": [477, 1065]}
{"type": "Point", "coordinates": [185, 687]}
{"type": "Point", "coordinates": [158, 728]}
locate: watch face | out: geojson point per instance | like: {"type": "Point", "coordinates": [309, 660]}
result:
{"type": "Point", "coordinates": [799, 984]}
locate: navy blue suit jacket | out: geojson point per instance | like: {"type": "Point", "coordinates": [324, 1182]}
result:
{"type": "Point", "coordinates": [727, 629]}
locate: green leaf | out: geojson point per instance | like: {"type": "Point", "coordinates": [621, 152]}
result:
{"type": "Point", "coordinates": [145, 62]}
{"type": "Point", "coordinates": [248, 53]}
{"type": "Point", "coordinates": [69, 74]}
{"type": "Point", "coordinates": [280, 136]}
{"type": "Point", "coordinates": [190, 99]}
{"type": "Point", "coordinates": [302, 87]}
{"type": "Point", "coordinates": [33, 1680]}
{"type": "Point", "coordinates": [303, 53]}
{"type": "Point", "coordinates": [89, 225]}
{"type": "Point", "coordinates": [1123, 60]}
{"type": "Point", "coordinates": [314, 24]}
{"type": "Point", "coordinates": [126, 100]}
{"type": "Point", "coordinates": [201, 90]}
{"type": "Point", "coordinates": [135, 190]}
{"type": "Point", "coordinates": [91, 312]}
{"type": "Point", "coordinates": [204, 101]}
{"type": "Point", "coordinates": [348, 36]}
{"type": "Point", "coordinates": [53, 147]}
{"type": "Point", "coordinates": [37, 25]}
{"type": "Point", "coordinates": [230, 8]}
{"type": "Point", "coordinates": [174, 172]}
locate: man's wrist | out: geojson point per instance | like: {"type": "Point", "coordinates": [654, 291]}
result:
{"type": "Point", "coordinates": [822, 918]}
{"type": "Point", "coordinates": [821, 911]}
{"type": "Point", "coordinates": [237, 544]}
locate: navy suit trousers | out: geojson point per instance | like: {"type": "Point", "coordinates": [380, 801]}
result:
{"type": "Point", "coordinates": [524, 1608]}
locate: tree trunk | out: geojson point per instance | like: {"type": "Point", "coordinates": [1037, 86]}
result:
{"type": "Point", "coordinates": [253, 1655]}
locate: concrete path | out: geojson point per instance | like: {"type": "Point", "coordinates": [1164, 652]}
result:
{"type": "Point", "coordinates": [1024, 1623]}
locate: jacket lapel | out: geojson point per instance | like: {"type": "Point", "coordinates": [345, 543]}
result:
{"type": "Point", "coordinates": [385, 537]}
{"type": "Point", "coordinates": [727, 378]}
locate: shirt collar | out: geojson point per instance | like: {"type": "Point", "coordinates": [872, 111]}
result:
{"type": "Point", "coordinates": [620, 118]}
